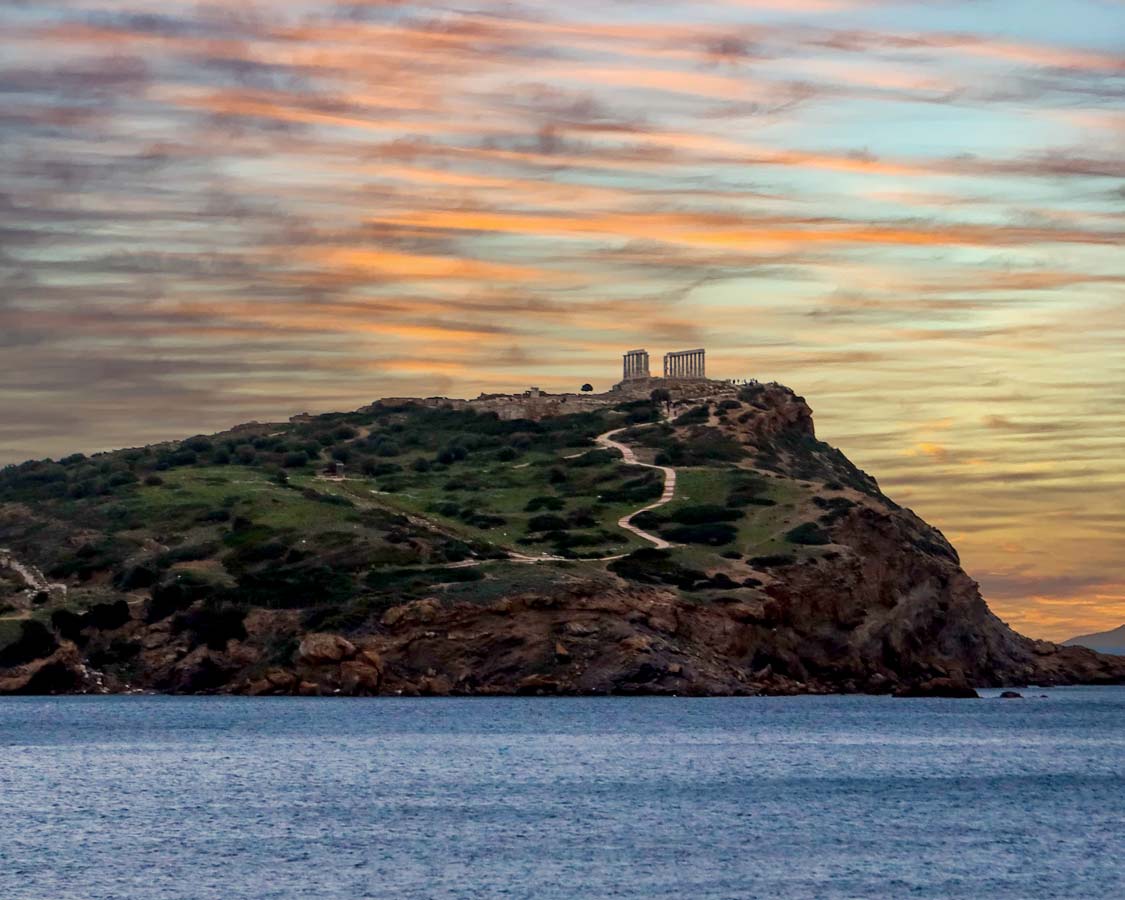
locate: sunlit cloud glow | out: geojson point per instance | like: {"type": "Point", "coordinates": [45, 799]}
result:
{"type": "Point", "coordinates": [912, 213]}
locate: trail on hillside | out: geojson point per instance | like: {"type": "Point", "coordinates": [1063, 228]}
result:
{"type": "Point", "coordinates": [606, 440]}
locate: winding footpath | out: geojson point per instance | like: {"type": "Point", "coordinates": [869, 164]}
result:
{"type": "Point", "coordinates": [606, 440]}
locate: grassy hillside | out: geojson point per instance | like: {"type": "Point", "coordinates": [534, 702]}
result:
{"type": "Point", "coordinates": [249, 536]}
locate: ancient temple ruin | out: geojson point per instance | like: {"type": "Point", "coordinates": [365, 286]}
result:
{"type": "Point", "coordinates": [685, 364]}
{"type": "Point", "coordinates": [636, 365]}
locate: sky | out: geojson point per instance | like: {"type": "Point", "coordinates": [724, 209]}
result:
{"type": "Point", "coordinates": [911, 213]}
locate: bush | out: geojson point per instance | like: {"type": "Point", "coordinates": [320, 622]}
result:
{"type": "Point", "coordinates": [547, 522]}
{"type": "Point", "coordinates": [652, 566]}
{"type": "Point", "coordinates": [452, 454]}
{"type": "Point", "coordinates": [637, 490]}
{"type": "Point", "coordinates": [772, 560]}
{"type": "Point", "coordinates": [808, 533]}
{"type": "Point", "coordinates": [380, 469]}
{"type": "Point", "coordinates": [704, 514]}
{"type": "Point", "coordinates": [34, 642]}
{"type": "Point", "coordinates": [213, 626]}
{"type": "Point", "coordinates": [138, 576]}
{"type": "Point", "coordinates": [535, 504]}
{"type": "Point", "coordinates": [713, 534]}
{"type": "Point", "coordinates": [697, 415]}
{"type": "Point", "coordinates": [296, 459]}
{"type": "Point", "coordinates": [172, 596]}
{"type": "Point", "coordinates": [68, 624]}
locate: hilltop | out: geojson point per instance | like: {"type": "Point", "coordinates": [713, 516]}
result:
{"type": "Point", "coordinates": [494, 547]}
{"type": "Point", "coordinates": [1112, 641]}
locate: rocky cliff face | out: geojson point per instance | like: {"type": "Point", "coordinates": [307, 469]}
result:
{"type": "Point", "coordinates": [818, 583]}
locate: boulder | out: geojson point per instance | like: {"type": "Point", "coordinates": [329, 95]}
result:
{"type": "Point", "coordinates": [637, 643]}
{"type": "Point", "coordinates": [359, 677]}
{"type": "Point", "coordinates": [418, 612]}
{"type": "Point", "coordinates": [281, 679]}
{"type": "Point", "coordinates": [537, 684]}
{"type": "Point", "coordinates": [322, 649]}
{"type": "Point", "coordinates": [1011, 695]}
{"type": "Point", "coordinates": [938, 687]}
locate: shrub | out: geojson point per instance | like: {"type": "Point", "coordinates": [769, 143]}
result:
{"type": "Point", "coordinates": [535, 504]}
{"type": "Point", "coordinates": [174, 595]}
{"type": "Point", "coordinates": [380, 469]}
{"type": "Point", "coordinates": [747, 490]}
{"type": "Point", "coordinates": [452, 454]}
{"type": "Point", "coordinates": [547, 522]}
{"type": "Point", "coordinates": [138, 576]}
{"type": "Point", "coordinates": [213, 626]}
{"type": "Point", "coordinates": [697, 415]}
{"type": "Point", "coordinates": [713, 534]}
{"type": "Point", "coordinates": [34, 642]}
{"type": "Point", "coordinates": [637, 490]}
{"type": "Point", "coordinates": [772, 560]}
{"type": "Point", "coordinates": [68, 624]}
{"type": "Point", "coordinates": [808, 533]}
{"type": "Point", "coordinates": [652, 566]}
{"type": "Point", "coordinates": [296, 459]}
{"type": "Point", "coordinates": [704, 514]}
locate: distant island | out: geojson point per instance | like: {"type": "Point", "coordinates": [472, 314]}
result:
{"type": "Point", "coordinates": [674, 535]}
{"type": "Point", "coordinates": [1112, 641]}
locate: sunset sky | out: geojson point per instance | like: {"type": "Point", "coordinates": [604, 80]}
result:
{"type": "Point", "coordinates": [911, 213]}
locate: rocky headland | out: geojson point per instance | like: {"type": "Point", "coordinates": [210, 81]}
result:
{"type": "Point", "coordinates": [440, 547]}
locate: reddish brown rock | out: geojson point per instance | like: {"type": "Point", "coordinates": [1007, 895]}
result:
{"type": "Point", "coordinates": [319, 649]}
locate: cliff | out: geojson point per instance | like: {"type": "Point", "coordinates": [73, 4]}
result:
{"type": "Point", "coordinates": [433, 548]}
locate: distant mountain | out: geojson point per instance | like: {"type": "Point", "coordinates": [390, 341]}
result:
{"type": "Point", "coordinates": [1112, 641]}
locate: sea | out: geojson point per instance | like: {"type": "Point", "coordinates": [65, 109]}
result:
{"type": "Point", "coordinates": [212, 798]}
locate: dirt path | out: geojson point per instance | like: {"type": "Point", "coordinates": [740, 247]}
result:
{"type": "Point", "coordinates": [606, 440]}
{"type": "Point", "coordinates": [34, 579]}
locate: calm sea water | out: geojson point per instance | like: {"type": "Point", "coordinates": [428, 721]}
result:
{"type": "Point", "coordinates": [221, 799]}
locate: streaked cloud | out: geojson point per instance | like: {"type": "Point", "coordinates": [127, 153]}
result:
{"type": "Point", "coordinates": [912, 213]}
